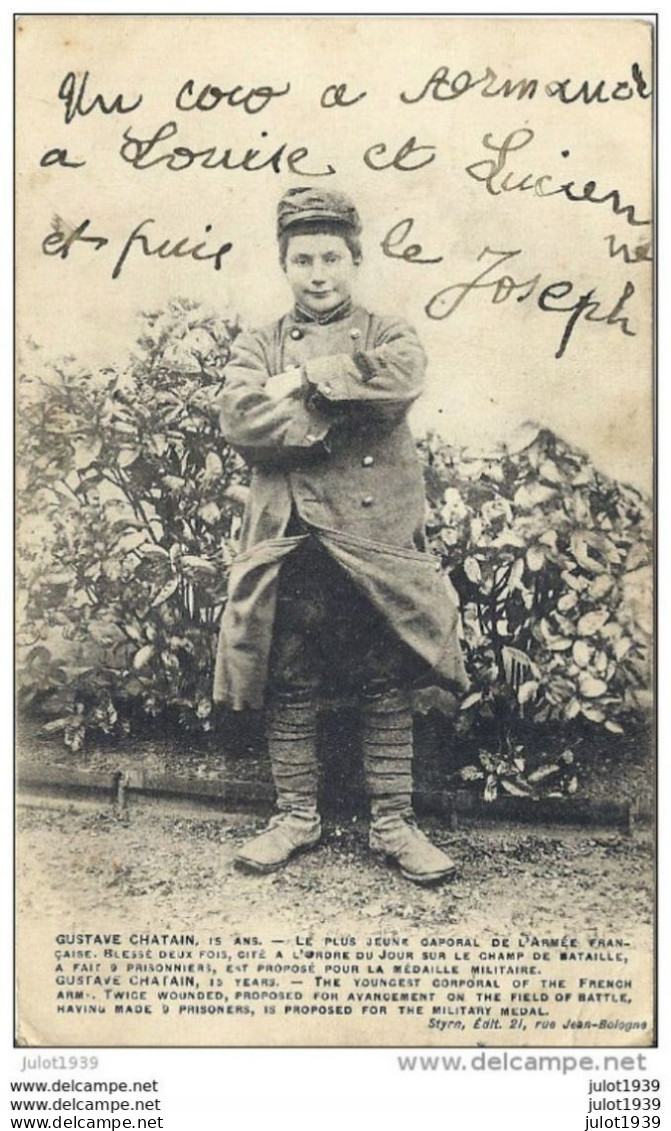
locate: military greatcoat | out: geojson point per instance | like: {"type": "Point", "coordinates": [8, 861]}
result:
{"type": "Point", "coordinates": [337, 454]}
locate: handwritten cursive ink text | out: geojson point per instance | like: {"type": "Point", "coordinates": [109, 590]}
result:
{"type": "Point", "coordinates": [73, 92]}
{"type": "Point", "coordinates": [503, 286]}
{"type": "Point", "coordinates": [392, 244]}
{"type": "Point", "coordinates": [490, 172]}
{"type": "Point", "coordinates": [145, 153]}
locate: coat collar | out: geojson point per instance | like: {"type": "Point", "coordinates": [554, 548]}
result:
{"type": "Point", "coordinates": [356, 317]}
{"type": "Point", "coordinates": [302, 314]}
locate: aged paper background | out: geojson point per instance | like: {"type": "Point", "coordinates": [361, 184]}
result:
{"type": "Point", "coordinates": [493, 363]}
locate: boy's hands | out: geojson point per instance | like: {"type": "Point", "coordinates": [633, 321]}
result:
{"type": "Point", "coordinates": [284, 383]}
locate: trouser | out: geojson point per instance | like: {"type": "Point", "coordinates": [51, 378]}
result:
{"type": "Point", "coordinates": [328, 636]}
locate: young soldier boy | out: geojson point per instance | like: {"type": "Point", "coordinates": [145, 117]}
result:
{"type": "Point", "coordinates": [333, 581]}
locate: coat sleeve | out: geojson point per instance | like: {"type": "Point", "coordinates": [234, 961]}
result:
{"type": "Point", "coordinates": [391, 372]}
{"type": "Point", "coordinates": [260, 427]}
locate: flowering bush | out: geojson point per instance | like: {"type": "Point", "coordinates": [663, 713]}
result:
{"type": "Point", "coordinates": [551, 561]}
{"type": "Point", "coordinates": [129, 506]}
{"type": "Point", "coordinates": [129, 500]}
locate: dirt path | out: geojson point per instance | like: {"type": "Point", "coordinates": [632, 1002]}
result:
{"type": "Point", "coordinates": [85, 866]}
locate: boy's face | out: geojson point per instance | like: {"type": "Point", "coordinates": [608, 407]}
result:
{"type": "Point", "coordinates": [320, 271]}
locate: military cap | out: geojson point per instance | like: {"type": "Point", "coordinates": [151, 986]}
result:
{"type": "Point", "coordinates": [309, 205]}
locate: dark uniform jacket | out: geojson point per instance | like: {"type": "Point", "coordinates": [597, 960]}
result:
{"type": "Point", "coordinates": [338, 453]}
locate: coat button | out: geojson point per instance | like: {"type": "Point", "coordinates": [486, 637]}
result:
{"type": "Point", "coordinates": [367, 501]}
{"type": "Point", "coordinates": [326, 389]}
{"type": "Point", "coordinates": [296, 334]}
{"type": "Point", "coordinates": [354, 334]}
{"type": "Point", "coordinates": [367, 461]}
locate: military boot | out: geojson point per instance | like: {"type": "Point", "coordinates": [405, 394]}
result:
{"type": "Point", "coordinates": [296, 826]}
{"type": "Point", "coordinates": [387, 755]}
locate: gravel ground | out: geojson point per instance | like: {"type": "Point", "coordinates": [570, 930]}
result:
{"type": "Point", "coordinates": [155, 867]}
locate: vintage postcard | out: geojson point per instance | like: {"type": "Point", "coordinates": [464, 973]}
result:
{"type": "Point", "coordinates": [334, 554]}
